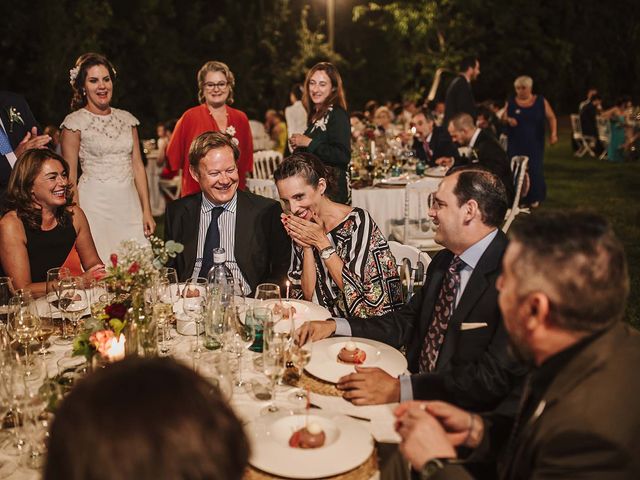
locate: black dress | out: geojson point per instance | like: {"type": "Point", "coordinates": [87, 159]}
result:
{"type": "Point", "coordinates": [49, 249]}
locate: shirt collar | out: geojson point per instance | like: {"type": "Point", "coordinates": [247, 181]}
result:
{"type": "Point", "coordinates": [471, 256]}
{"type": "Point", "coordinates": [428, 139]}
{"type": "Point", "coordinates": [208, 205]}
{"type": "Point", "coordinates": [474, 137]}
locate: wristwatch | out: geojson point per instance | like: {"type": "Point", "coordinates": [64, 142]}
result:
{"type": "Point", "coordinates": [326, 252]}
{"type": "Point", "coordinates": [432, 467]}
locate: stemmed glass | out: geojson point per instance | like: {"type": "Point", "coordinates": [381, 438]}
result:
{"type": "Point", "coordinates": [300, 355]}
{"type": "Point", "coordinates": [170, 274]}
{"type": "Point", "coordinates": [6, 292]}
{"type": "Point", "coordinates": [166, 297]}
{"type": "Point", "coordinates": [273, 366]}
{"type": "Point", "coordinates": [23, 326]}
{"type": "Point", "coordinates": [269, 295]}
{"type": "Point", "coordinates": [242, 333]}
{"type": "Point", "coordinates": [54, 275]}
{"type": "Point", "coordinates": [6, 395]}
{"type": "Point", "coordinates": [194, 296]}
{"type": "Point", "coordinates": [73, 299]}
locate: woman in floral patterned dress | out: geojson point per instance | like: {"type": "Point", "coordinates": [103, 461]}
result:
{"type": "Point", "coordinates": [215, 93]}
{"type": "Point", "coordinates": [328, 134]}
{"type": "Point", "coordinates": [340, 259]}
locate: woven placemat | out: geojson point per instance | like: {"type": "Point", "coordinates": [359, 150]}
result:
{"type": "Point", "coordinates": [363, 472]}
{"type": "Point", "coordinates": [306, 380]}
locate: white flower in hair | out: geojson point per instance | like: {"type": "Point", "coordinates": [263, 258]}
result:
{"type": "Point", "coordinates": [235, 141]}
{"type": "Point", "coordinates": [73, 74]}
{"type": "Point", "coordinates": [230, 131]}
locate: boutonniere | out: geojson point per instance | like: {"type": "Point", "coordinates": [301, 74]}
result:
{"type": "Point", "coordinates": [14, 117]}
{"type": "Point", "coordinates": [474, 156]}
{"type": "Point", "coordinates": [231, 131]}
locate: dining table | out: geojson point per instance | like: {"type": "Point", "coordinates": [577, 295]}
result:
{"type": "Point", "coordinates": [373, 425]}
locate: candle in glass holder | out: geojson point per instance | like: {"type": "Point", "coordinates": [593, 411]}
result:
{"type": "Point", "coordinates": [115, 352]}
{"type": "Point", "coordinates": [288, 285]}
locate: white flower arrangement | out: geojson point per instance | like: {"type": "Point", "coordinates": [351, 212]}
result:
{"type": "Point", "coordinates": [14, 117]}
{"type": "Point", "coordinates": [231, 131]}
{"type": "Point", "coordinates": [73, 74]}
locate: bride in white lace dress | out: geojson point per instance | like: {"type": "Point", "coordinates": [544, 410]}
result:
{"type": "Point", "coordinates": [112, 189]}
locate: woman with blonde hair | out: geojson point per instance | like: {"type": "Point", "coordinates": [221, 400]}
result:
{"type": "Point", "coordinates": [215, 93]}
{"type": "Point", "coordinates": [328, 134]}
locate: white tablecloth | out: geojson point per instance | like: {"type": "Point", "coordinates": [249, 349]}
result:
{"type": "Point", "coordinates": [386, 205]}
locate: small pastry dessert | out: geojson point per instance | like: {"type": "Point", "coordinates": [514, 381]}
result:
{"type": "Point", "coordinates": [350, 353]}
{"type": "Point", "coordinates": [286, 309]}
{"type": "Point", "coordinates": [310, 437]}
{"type": "Point", "coordinates": [191, 292]}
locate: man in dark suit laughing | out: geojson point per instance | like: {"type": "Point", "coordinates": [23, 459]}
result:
{"type": "Point", "coordinates": [247, 226]}
{"type": "Point", "coordinates": [452, 329]}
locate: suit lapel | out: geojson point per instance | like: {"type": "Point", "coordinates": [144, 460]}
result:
{"type": "Point", "coordinates": [474, 290]}
{"type": "Point", "coordinates": [242, 238]}
{"type": "Point", "coordinates": [190, 236]}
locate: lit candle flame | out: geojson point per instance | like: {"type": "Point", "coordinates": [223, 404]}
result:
{"type": "Point", "coordinates": [115, 352]}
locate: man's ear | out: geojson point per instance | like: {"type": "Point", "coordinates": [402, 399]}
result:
{"type": "Point", "coordinates": [194, 173]}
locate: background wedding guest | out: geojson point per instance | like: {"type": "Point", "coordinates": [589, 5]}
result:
{"type": "Point", "coordinates": [452, 330]}
{"type": "Point", "coordinates": [525, 115]}
{"type": "Point", "coordinates": [579, 415]}
{"type": "Point", "coordinates": [340, 257]}
{"type": "Point", "coordinates": [459, 96]}
{"type": "Point", "coordinates": [18, 133]}
{"type": "Point", "coordinates": [43, 228]}
{"type": "Point", "coordinates": [295, 114]}
{"type": "Point", "coordinates": [112, 190]}
{"type": "Point", "coordinates": [430, 142]}
{"type": "Point", "coordinates": [277, 129]}
{"type": "Point", "coordinates": [247, 226]}
{"type": "Point", "coordinates": [216, 85]}
{"type": "Point", "coordinates": [173, 424]}
{"type": "Point", "coordinates": [382, 119]}
{"type": "Point", "coordinates": [617, 121]}
{"type": "Point", "coordinates": [328, 134]}
{"type": "Point", "coordinates": [54, 133]}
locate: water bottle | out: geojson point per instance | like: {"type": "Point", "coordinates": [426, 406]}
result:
{"type": "Point", "coordinates": [220, 297]}
{"type": "Point", "coordinates": [219, 274]}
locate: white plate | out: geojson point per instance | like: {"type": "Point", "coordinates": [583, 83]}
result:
{"type": "Point", "coordinates": [324, 362]}
{"type": "Point", "coordinates": [348, 445]}
{"type": "Point", "coordinates": [305, 311]}
{"type": "Point", "coordinates": [437, 172]}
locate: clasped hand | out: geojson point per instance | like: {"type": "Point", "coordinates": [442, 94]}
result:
{"type": "Point", "coordinates": [304, 232]}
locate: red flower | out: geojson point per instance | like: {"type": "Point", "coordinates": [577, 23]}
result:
{"type": "Point", "coordinates": [114, 260]}
{"type": "Point", "coordinates": [116, 310]}
{"type": "Point", "coordinates": [134, 268]}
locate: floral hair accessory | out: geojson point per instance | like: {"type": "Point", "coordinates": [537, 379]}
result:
{"type": "Point", "coordinates": [73, 74]}
{"type": "Point", "coordinates": [231, 131]}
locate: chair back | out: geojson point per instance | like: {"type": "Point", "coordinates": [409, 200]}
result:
{"type": "Point", "coordinates": [584, 146]}
{"type": "Point", "coordinates": [576, 126]}
{"type": "Point", "coordinates": [519, 165]}
{"type": "Point", "coordinates": [265, 163]}
{"type": "Point", "coordinates": [171, 187]}
{"type": "Point", "coordinates": [412, 265]}
{"type": "Point", "coordinates": [263, 186]}
{"type": "Point", "coordinates": [417, 226]}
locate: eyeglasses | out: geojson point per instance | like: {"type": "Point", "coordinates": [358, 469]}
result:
{"type": "Point", "coordinates": [433, 203]}
{"type": "Point", "coordinates": [213, 86]}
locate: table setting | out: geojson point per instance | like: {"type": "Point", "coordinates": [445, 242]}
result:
{"type": "Point", "coordinates": [283, 393]}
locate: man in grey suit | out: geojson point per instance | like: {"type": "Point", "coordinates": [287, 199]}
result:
{"type": "Point", "coordinates": [452, 329]}
{"type": "Point", "coordinates": [563, 290]}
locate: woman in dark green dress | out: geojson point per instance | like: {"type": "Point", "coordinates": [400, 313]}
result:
{"type": "Point", "coordinates": [328, 134]}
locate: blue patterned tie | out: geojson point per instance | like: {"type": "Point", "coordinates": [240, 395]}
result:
{"type": "Point", "coordinates": [5, 144]}
{"type": "Point", "coordinates": [442, 314]}
{"type": "Point", "coordinates": [212, 240]}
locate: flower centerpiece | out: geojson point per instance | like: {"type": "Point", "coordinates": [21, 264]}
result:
{"type": "Point", "coordinates": [130, 273]}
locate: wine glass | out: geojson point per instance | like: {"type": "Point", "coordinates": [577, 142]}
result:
{"type": "Point", "coordinates": [99, 297]}
{"type": "Point", "coordinates": [273, 366]}
{"type": "Point", "coordinates": [6, 396]}
{"type": "Point", "coordinates": [300, 355]}
{"type": "Point", "coordinates": [23, 326]}
{"type": "Point", "coordinates": [165, 298]}
{"type": "Point", "coordinates": [269, 294]}
{"type": "Point", "coordinates": [241, 334]}
{"type": "Point", "coordinates": [54, 275]}
{"type": "Point", "coordinates": [73, 299]}
{"type": "Point", "coordinates": [6, 292]}
{"type": "Point", "coordinates": [194, 296]}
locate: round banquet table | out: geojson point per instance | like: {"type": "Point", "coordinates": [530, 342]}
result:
{"type": "Point", "coordinates": [243, 401]}
{"type": "Point", "coordinates": [385, 203]}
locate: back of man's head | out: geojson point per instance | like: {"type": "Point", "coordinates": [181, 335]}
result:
{"type": "Point", "coordinates": [463, 121]}
{"type": "Point", "coordinates": [577, 261]}
{"type": "Point", "coordinates": [468, 62]}
{"type": "Point", "coordinates": [145, 419]}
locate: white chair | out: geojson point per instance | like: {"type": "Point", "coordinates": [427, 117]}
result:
{"type": "Point", "coordinates": [263, 186]}
{"type": "Point", "coordinates": [265, 163]}
{"type": "Point", "coordinates": [519, 165]}
{"type": "Point", "coordinates": [416, 228]}
{"type": "Point", "coordinates": [581, 141]}
{"type": "Point", "coordinates": [604, 135]}
{"type": "Point", "coordinates": [171, 187]}
{"type": "Point", "coordinates": [412, 265]}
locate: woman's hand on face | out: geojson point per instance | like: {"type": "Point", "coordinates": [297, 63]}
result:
{"type": "Point", "coordinates": [309, 233]}
{"type": "Point", "coordinates": [284, 218]}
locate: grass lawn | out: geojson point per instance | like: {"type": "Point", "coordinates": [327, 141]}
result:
{"type": "Point", "coordinates": [611, 189]}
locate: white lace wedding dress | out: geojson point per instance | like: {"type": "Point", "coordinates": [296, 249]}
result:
{"type": "Point", "coordinates": [106, 188]}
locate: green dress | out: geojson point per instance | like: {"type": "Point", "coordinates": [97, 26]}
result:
{"type": "Point", "coordinates": [331, 143]}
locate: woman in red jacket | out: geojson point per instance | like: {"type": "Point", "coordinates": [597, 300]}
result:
{"type": "Point", "coordinates": [215, 92]}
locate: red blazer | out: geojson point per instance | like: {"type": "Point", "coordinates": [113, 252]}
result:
{"type": "Point", "coordinates": [198, 120]}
